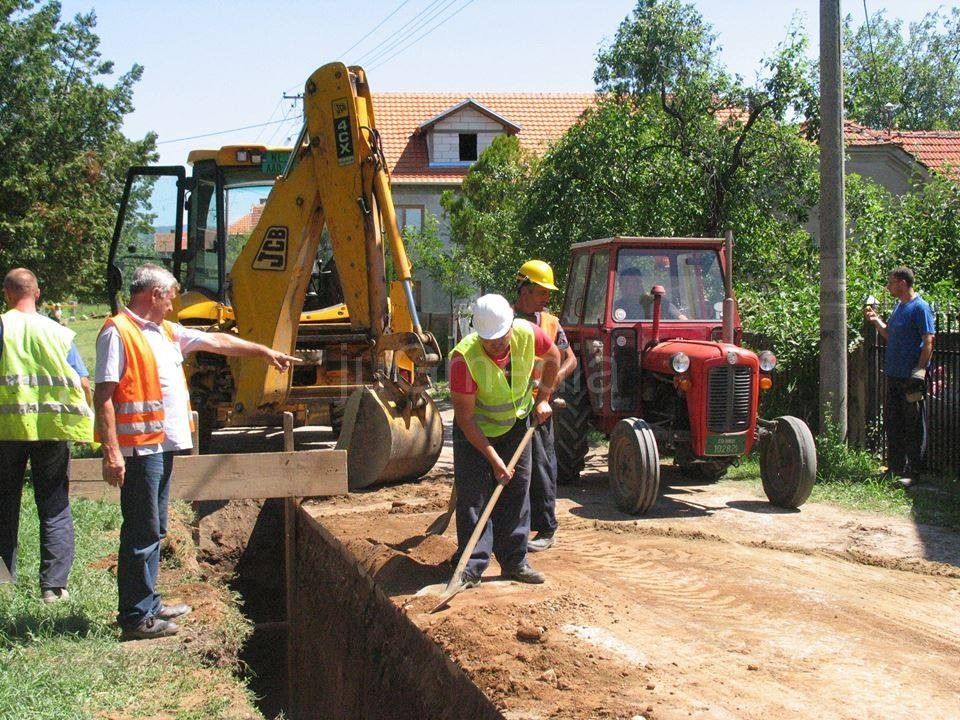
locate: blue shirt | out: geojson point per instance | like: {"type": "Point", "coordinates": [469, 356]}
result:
{"type": "Point", "coordinates": [907, 325]}
{"type": "Point", "coordinates": [73, 357]}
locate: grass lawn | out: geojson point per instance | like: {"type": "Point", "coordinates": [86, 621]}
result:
{"type": "Point", "coordinates": [87, 331]}
{"type": "Point", "coordinates": [936, 503]}
{"type": "Point", "coordinates": [65, 660]}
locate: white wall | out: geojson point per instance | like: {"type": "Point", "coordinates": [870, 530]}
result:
{"type": "Point", "coordinates": [443, 140]}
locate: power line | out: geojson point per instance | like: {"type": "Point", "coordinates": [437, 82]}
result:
{"type": "Point", "coordinates": [222, 132]}
{"type": "Point", "coordinates": [286, 118]}
{"type": "Point", "coordinates": [396, 36]}
{"type": "Point", "coordinates": [420, 37]}
{"type": "Point", "coordinates": [272, 113]}
{"type": "Point", "coordinates": [375, 28]}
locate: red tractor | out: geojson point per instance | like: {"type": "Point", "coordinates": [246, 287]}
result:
{"type": "Point", "coordinates": [656, 330]}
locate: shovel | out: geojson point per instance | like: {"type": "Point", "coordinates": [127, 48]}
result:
{"type": "Point", "coordinates": [439, 526]}
{"type": "Point", "coordinates": [456, 585]}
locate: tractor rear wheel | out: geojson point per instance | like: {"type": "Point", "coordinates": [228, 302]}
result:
{"type": "Point", "coordinates": [788, 463]}
{"type": "Point", "coordinates": [634, 466]}
{"type": "Point", "coordinates": [570, 426]}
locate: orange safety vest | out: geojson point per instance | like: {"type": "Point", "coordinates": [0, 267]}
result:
{"type": "Point", "coordinates": [550, 324]}
{"type": "Point", "coordinates": [138, 399]}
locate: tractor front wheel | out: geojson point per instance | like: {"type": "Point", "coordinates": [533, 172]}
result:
{"type": "Point", "coordinates": [634, 466]}
{"type": "Point", "coordinates": [788, 463]}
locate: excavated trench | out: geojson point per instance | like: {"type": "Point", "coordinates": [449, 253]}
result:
{"type": "Point", "coordinates": [353, 653]}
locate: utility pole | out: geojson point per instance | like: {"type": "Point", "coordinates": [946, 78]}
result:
{"type": "Point", "coordinates": [833, 247]}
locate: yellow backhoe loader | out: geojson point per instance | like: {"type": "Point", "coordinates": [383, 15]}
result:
{"type": "Point", "coordinates": [284, 246]}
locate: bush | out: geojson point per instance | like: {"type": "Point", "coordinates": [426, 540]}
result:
{"type": "Point", "coordinates": [837, 462]}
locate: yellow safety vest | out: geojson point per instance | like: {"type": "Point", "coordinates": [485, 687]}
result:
{"type": "Point", "coordinates": [41, 397]}
{"type": "Point", "coordinates": [500, 403]}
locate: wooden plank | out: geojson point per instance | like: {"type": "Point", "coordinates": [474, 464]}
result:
{"type": "Point", "coordinates": [291, 506]}
{"type": "Point", "coordinates": [306, 473]}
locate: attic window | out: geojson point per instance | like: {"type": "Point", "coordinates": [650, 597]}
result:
{"type": "Point", "coordinates": [468, 147]}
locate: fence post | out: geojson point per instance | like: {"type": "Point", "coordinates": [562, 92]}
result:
{"type": "Point", "coordinates": [857, 396]}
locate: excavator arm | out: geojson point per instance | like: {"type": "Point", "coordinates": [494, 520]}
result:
{"type": "Point", "coordinates": [336, 178]}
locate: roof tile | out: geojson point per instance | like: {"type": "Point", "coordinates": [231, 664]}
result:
{"type": "Point", "coordinates": [935, 149]}
{"type": "Point", "coordinates": [542, 117]}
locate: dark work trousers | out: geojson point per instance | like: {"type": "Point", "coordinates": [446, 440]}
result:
{"type": "Point", "coordinates": [50, 468]}
{"type": "Point", "coordinates": [143, 503]}
{"type": "Point", "coordinates": [906, 426]}
{"type": "Point", "coordinates": [543, 481]}
{"type": "Point", "coordinates": [505, 535]}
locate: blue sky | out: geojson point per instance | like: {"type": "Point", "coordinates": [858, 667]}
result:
{"type": "Point", "coordinates": [212, 65]}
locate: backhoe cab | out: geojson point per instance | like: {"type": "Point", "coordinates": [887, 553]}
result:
{"type": "Point", "coordinates": [655, 327]}
{"type": "Point", "coordinates": [283, 246]}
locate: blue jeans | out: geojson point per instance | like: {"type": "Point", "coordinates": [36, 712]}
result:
{"type": "Point", "coordinates": [143, 503]}
{"type": "Point", "coordinates": [49, 465]}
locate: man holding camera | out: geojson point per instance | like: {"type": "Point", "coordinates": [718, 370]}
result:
{"type": "Point", "coordinates": [909, 332]}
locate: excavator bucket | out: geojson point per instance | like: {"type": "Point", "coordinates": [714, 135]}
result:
{"type": "Point", "coordinates": [385, 444]}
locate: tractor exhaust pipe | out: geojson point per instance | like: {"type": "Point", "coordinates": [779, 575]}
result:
{"type": "Point", "coordinates": [728, 301]}
{"type": "Point", "coordinates": [658, 292]}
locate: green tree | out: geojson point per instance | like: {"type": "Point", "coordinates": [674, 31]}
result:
{"type": "Point", "coordinates": [916, 74]}
{"type": "Point", "coordinates": [679, 147]}
{"type": "Point", "coordinates": [485, 214]}
{"type": "Point", "coordinates": [62, 154]}
{"type": "Point", "coordinates": [445, 264]}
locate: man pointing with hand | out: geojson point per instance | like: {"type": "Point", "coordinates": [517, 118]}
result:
{"type": "Point", "coordinates": [142, 410]}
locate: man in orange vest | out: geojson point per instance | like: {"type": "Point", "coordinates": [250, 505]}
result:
{"type": "Point", "coordinates": [143, 419]}
{"type": "Point", "coordinates": [534, 284]}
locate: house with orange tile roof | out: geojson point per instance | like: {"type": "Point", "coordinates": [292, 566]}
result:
{"type": "Point", "coordinates": [430, 140]}
{"type": "Point", "coordinates": [900, 160]}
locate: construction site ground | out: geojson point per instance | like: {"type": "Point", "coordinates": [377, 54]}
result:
{"type": "Point", "coordinates": [713, 605]}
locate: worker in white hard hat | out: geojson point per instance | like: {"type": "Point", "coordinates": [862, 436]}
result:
{"type": "Point", "coordinates": [534, 284]}
{"type": "Point", "coordinates": [491, 374]}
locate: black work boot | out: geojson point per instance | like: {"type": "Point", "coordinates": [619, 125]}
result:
{"type": "Point", "coordinates": [525, 574]}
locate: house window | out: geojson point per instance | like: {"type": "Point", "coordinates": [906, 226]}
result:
{"type": "Point", "coordinates": [410, 217]}
{"type": "Point", "coordinates": [468, 147]}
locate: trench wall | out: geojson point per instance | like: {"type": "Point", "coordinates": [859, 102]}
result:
{"type": "Point", "coordinates": [354, 654]}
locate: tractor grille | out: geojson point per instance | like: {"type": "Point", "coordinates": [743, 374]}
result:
{"type": "Point", "coordinates": [729, 390]}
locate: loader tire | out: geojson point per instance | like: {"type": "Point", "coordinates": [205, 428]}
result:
{"type": "Point", "coordinates": [634, 466]}
{"type": "Point", "coordinates": [788, 463]}
{"type": "Point", "coordinates": [570, 426]}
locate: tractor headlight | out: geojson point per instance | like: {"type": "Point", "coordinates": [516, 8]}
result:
{"type": "Point", "coordinates": [680, 362]}
{"type": "Point", "coordinates": [768, 361]}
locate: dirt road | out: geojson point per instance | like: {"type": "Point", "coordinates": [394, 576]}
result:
{"type": "Point", "coordinates": [714, 606]}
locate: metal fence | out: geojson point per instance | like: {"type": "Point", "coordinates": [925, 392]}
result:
{"type": "Point", "coordinates": [943, 394]}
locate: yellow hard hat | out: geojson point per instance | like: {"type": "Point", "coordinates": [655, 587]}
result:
{"type": "Point", "coordinates": [539, 273]}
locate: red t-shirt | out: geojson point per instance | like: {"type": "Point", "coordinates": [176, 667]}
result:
{"type": "Point", "coordinates": [461, 381]}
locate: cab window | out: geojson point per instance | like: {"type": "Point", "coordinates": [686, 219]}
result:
{"type": "Point", "coordinates": [595, 305]}
{"type": "Point", "coordinates": [573, 307]}
{"type": "Point", "coordinates": [692, 283]}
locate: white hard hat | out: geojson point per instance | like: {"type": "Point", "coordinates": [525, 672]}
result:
{"type": "Point", "coordinates": [492, 316]}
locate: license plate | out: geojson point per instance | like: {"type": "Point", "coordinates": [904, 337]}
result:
{"type": "Point", "coordinates": [726, 444]}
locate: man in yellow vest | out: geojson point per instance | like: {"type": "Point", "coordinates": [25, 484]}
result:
{"type": "Point", "coordinates": [534, 284]}
{"type": "Point", "coordinates": [143, 420]}
{"type": "Point", "coordinates": [44, 404]}
{"type": "Point", "coordinates": [491, 373]}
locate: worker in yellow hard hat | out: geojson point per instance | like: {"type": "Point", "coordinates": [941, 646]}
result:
{"type": "Point", "coordinates": [534, 284]}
